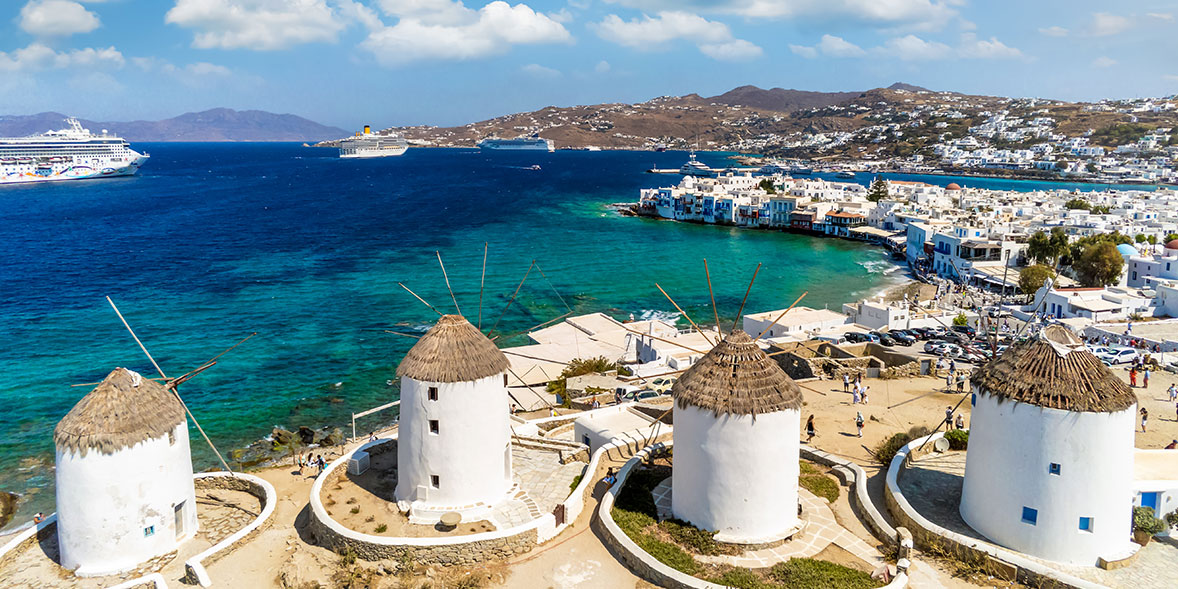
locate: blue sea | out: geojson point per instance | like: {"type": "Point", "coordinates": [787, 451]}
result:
{"type": "Point", "coordinates": [215, 241]}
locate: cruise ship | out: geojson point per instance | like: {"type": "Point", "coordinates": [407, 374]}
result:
{"type": "Point", "coordinates": [73, 153]}
{"type": "Point", "coordinates": [369, 144]}
{"type": "Point", "coordinates": [533, 143]}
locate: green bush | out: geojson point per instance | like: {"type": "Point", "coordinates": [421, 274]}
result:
{"type": "Point", "coordinates": [634, 511]}
{"type": "Point", "coordinates": [1172, 519]}
{"type": "Point", "coordinates": [742, 579]}
{"type": "Point", "coordinates": [958, 439]}
{"type": "Point", "coordinates": [807, 468]}
{"type": "Point", "coordinates": [700, 541]}
{"type": "Point", "coordinates": [886, 450]}
{"type": "Point", "coordinates": [380, 529]}
{"type": "Point", "coordinates": [1145, 521]}
{"type": "Point", "coordinates": [576, 481]}
{"type": "Point", "coordinates": [820, 485]}
{"type": "Point", "coordinates": [806, 573]}
{"type": "Point", "coordinates": [960, 320]}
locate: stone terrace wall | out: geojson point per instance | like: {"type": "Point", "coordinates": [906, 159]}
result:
{"type": "Point", "coordinates": [195, 571]}
{"type": "Point", "coordinates": [445, 555]}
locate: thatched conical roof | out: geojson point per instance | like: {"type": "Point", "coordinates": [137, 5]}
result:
{"type": "Point", "coordinates": [453, 350]}
{"type": "Point", "coordinates": [1055, 371]}
{"type": "Point", "coordinates": [123, 410]}
{"type": "Point", "coordinates": [737, 377]}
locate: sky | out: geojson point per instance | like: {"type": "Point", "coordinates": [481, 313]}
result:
{"type": "Point", "coordinates": [444, 62]}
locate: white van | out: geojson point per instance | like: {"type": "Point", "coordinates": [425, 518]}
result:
{"type": "Point", "coordinates": [837, 340]}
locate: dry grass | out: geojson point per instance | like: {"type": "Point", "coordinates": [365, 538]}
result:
{"type": "Point", "coordinates": [452, 350]}
{"type": "Point", "coordinates": [1038, 373]}
{"type": "Point", "coordinates": [737, 377]}
{"type": "Point", "coordinates": [123, 410]}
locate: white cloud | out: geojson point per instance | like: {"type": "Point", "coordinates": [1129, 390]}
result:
{"type": "Point", "coordinates": [974, 48]}
{"type": "Point", "coordinates": [647, 32]}
{"type": "Point", "coordinates": [1170, 77]}
{"type": "Point", "coordinates": [40, 57]}
{"type": "Point", "coordinates": [906, 14]}
{"type": "Point", "coordinates": [50, 18]}
{"type": "Point", "coordinates": [458, 34]}
{"type": "Point", "coordinates": [804, 51]}
{"type": "Point", "coordinates": [1161, 15]}
{"type": "Point", "coordinates": [838, 47]}
{"type": "Point", "coordinates": [1105, 24]}
{"type": "Point", "coordinates": [713, 38]}
{"type": "Point", "coordinates": [602, 67]}
{"type": "Point", "coordinates": [734, 50]}
{"type": "Point", "coordinates": [913, 48]}
{"type": "Point", "coordinates": [1103, 61]}
{"type": "Point", "coordinates": [261, 25]}
{"type": "Point", "coordinates": [535, 69]}
{"type": "Point", "coordinates": [1054, 31]}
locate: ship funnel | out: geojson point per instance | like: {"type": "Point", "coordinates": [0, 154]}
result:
{"type": "Point", "coordinates": [367, 129]}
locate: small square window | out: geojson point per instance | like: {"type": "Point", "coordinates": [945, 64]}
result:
{"type": "Point", "coordinates": [1030, 516]}
{"type": "Point", "coordinates": [148, 531]}
{"type": "Point", "coordinates": [432, 394]}
{"type": "Point", "coordinates": [1086, 524]}
{"type": "Point", "coordinates": [1053, 468]}
{"type": "Point", "coordinates": [435, 481]}
{"type": "Point", "coordinates": [433, 426]}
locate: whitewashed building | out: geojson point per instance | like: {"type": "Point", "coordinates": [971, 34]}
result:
{"type": "Point", "coordinates": [1049, 470]}
{"type": "Point", "coordinates": [124, 476]}
{"type": "Point", "coordinates": [454, 440]}
{"type": "Point", "coordinates": [737, 422]}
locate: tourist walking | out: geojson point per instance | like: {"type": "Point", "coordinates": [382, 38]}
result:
{"type": "Point", "coordinates": [961, 382]}
{"type": "Point", "coordinates": [863, 395]}
{"type": "Point", "coordinates": [859, 423]}
{"type": "Point", "coordinates": [1133, 377]}
{"type": "Point", "coordinates": [855, 395]}
{"type": "Point", "coordinates": [810, 428]}
{"type": "Point", "coordinates": [1145, 378]}
{"type": "Point", "coordinates": [948, 416]}
{"type": "Point", "coordinates": [846, 382]}
{"type": "Point", "coordinates": [949, 380]}
{"type": "Point", "coordinates": [1172, 392]}
{"type": "Point", "coordinates": [1144, 418]}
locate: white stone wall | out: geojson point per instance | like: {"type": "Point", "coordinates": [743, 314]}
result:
{"type": "Point", "coordinates": [470, 454]}
{"type": "Point", "coordinates": [105, 502]}
{"type": "Point", "coordinates": [736, 474]}
{"type": "Point", "coordinates": [1008, 467]}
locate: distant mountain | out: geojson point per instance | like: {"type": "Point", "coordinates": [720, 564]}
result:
{"type": "Point", "coordinates": [908, 87]}
{"type": "Point", "coordinates": [218, 124]}
{"type": "Point", "coordinates": [780, 99]}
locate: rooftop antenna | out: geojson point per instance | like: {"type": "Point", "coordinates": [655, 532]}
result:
{"type": "Point", "coordinates": [482, 282]}
{"type": "Point", "coordinates": [713, 295]}
{"type": "Point", "coordinates": [173, 383]}
{"type": "Point", "coordinates": [447, 277]}
{"type": "Point", "coordinates": [739, 312]}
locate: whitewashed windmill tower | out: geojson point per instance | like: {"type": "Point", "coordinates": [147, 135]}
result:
{"type": "Point", "coordinates": [1049, 469]}
{"type": "Point", "coordinates": [454, 440]}
{"type": "Point", "coordinates": [124, 476]}
{"type": "Point", "coordinates": [737, 422]}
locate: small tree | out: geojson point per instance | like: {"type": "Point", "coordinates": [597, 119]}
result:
{"type": "Point", "coordinates": [1172, 236]}
{"type": "Point", "coordinates": [1152, 239]}
{"type": "Point", "coordinates": [1031, 278]}
{"type": "Point", "coordinates": [878, 190]}
{"type": "Point", "coordinates": [1078, 203]}
{"type": "Point", "coordinates": [1141, 238]}
{"type": "Point", "coordinates": [1099, 265]}
{"type": "Point", "coordinates": [767, 185]}
{"type": "Point", "coordinates": [960, 320]}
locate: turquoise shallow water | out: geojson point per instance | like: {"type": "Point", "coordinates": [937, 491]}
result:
{"type": "Point", "coordinates": [214, 241]}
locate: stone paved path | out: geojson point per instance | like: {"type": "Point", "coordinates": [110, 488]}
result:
{"type": "Point", "coordinates": [933, 488]}
{"type": "Point", "coordinates": [820, 530]}
{"type": "Point", "coordinates": [543, 477]}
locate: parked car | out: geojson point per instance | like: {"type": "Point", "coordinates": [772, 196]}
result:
{"type": "Point", "coordinates": [855, 337]}
{"type": "Point", "coordinates": [934, 346]}
{"type": "Point", "coordinates": [883, 338]}
{"type": "Point", "coordinates": [965, 330]}
{"type": "Point", "coordinates": [902, 337]}
{"type": "Point", "coordinates": [662, 384]}
{"type": "Point", "coordinates": [1118, 355]}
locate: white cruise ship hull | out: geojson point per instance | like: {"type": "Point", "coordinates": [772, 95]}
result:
{"type": "Point", "coordinates": [369, 153]}
{"type": "Point", "coordinates": [26, 173]}
{"type": "Point", "coordinates": [536, 144]}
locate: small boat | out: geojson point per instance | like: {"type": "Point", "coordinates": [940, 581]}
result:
{"type": "Point", "coordinates": [845, 174]}
{"type": "Point", "coordinates": [694, 167]}
{"type": "Point", "coordinates": [799, 170]}
{"type": "Point", "coordinates": [534, 167]}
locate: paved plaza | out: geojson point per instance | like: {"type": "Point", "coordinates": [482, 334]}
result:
{"type": "Point", "coordinates": [933, 487]}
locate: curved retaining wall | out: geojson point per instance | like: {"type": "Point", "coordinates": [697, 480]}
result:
{"type": "Point", "coordinates": [194, 567]}
{"type": "Point", "coordinates": [452, 550]}
{"type": "Point", "coordinates": [996, 560]}
{"type": "Point", "coordinates": [27, 537]}
{"type": "Point", "coordinates": [854, 475]}
{"type": "Point", "coordinates": [649, 568]}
